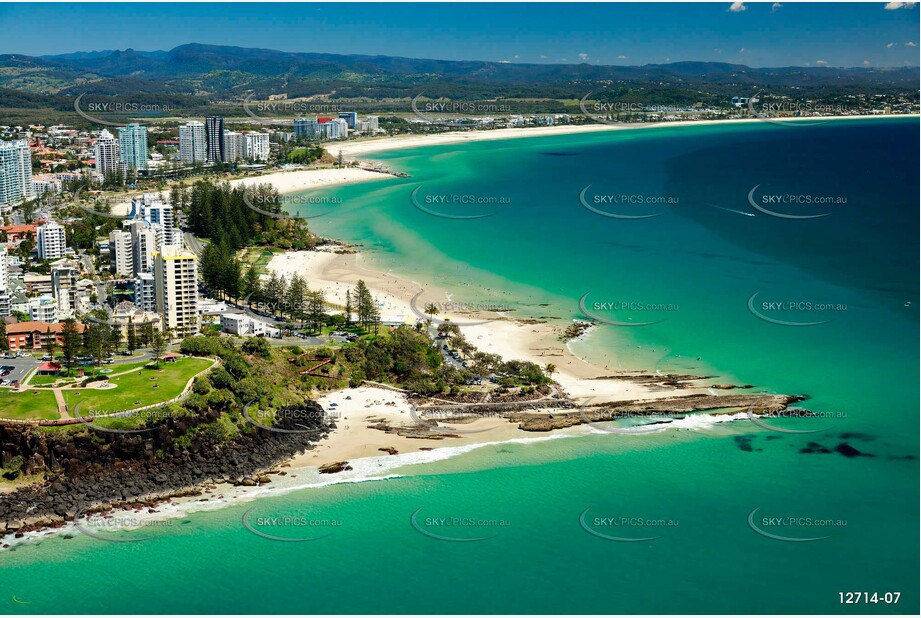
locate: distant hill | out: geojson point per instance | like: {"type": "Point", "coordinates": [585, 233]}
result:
{"type": "Point", "coordinates": [224, 72]}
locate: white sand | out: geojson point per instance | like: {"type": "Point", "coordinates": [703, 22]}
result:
{"type": "Point", "coordinates": [356, 148]}
{"type": "Point", "coordinates": [302, 180]}
{"type": "Point", "coordinates": [509, 338]}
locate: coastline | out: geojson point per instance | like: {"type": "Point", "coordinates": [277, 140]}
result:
{"type": "Point", "coordinates": [518, 339]}
{"type": "Point", "coordinates": [362, 148]}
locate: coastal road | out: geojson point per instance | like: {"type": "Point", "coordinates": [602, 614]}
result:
{"type": "Point", "coordinates": [193, 244]}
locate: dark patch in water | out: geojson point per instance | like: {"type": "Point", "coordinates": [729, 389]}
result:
{"type": "Point", "coordinates": [814, 447]}
{"type": "Point", "coordinates": [744, 443]}
{"type": "Point", "coordinates": [773, 437]}
{"type": "Point", "coordinates": [852, 435]}
{"type": "Point", "coordinates": [559, 154]}
{"type": "Point", "coordinates": [849, 451]}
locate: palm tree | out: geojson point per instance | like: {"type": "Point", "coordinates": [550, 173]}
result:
{"type": "Point", "coordinates": [549, 369]}
{"type": "Point", "coordinates": [431, 309]}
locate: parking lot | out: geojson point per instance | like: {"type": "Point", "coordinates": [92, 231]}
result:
{"type": "Point", "coordinates": [18, 368]}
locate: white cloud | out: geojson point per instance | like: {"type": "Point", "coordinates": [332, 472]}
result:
{"type": "Point", "coordinates": [543, 57]}
{"type": "Point", "coordinates": [718, 50]}
{"type": "Point", "coordinates": [866, 63]}
{"type": "Point", "coordinates": [911, 44]}
{"type": "Point", "coordinates": [583, 56]}
{"type": "Point", "coordinates": [776, 6]}
{"type": "Point", "coordinates": [741, 51]}
{"type": "Point", "coordinates": [890, 45]}
{"type": "Point", "coordinates": [892, 6]}
{"type": "Point", "coordinates": [505, 62]}
{"type": "Point", "coordinates": [737, 7]}
{"type": "Point", "coordinates": [821, 62]}
{"type": "Point", "coordinates": [621, 57]}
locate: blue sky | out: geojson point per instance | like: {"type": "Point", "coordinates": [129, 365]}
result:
{"type": "Point", "coordinates": [756, 34]}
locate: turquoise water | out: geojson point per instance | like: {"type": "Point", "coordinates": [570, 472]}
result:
{"type": "Point", "coordinates": [539, 251]}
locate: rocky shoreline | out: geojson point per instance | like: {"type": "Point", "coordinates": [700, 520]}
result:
{"type": "Point", "coordinates": [99, 471]}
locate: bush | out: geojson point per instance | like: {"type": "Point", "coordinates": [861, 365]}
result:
{"type": "Point", "coordinates": [257, 346]}
{"type": "Point", "coordinates": [200, 346]}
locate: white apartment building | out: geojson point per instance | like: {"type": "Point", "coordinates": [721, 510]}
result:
{"type": "Point", "coordinates": [52, 241]}
{"type": "Point", "coordinates": [5, 308]}
{"type": "Point", "coordinates": [132, 146]}
{"type": "Point", "coordinates": [106, 154]}
{"type": "Point", "coordinates": [64, 288]}
{"type": "Point", "coordinates": [176, 284]}
{"type": "Point", "coordinates": [246, 326]}
{"type": "Point", "coordinates": [43, 309]}
{"type": "Point", "coordinates": [257, 146]}
{"type": "Point", "coordinates": [234, 146]}
{"type": "Point", "coordinates": [143, 246]}
{"type": "Point", "coordinates": [121, 253]}
{"type": "Point", "coordinates": [15, 171]}
{"type": "Point", "coordinates": [192, 146]}
{"type": "Point", "coordinates": [145, 292]}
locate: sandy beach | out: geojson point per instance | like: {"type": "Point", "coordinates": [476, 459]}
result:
{"type": "Point", "coordinates": [357, 149]}
{"type": "Point", "coordinates": [293, 181]}
{"type": "Point", "coordinates": [510, 338]}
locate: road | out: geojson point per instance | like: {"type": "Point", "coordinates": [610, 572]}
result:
{"type": "Point", "coordinates": [193, 244]}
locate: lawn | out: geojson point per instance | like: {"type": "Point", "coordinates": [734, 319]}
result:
{"type": "Point", "coordinates": [137, 389]}
{"type": "Point", "coordinates": [102, 370]}
{"type": "Point", "coordinates": [31, 404]}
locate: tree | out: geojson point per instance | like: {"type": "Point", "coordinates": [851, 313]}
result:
{"type": "Point", "coordinates": [316, 302]}
{"type": "Point", "coordinates": [348, 307]}
{"type": "Point", "coordinates": [70, 341]}
{"type": "Point", "coordinates": [49, 343]}
{"type": "Point", "coordinates": [94, 338]}
{"type": "Point", "coordinates": [369, 315]}
{"type": "Point", "coordinates": [251, 287]}
{"type": "Point", "coordinates": [132, 336]}
{"type": "Point", "coordinates": [432, 310]}
{"type": "Point", "coordinates": [296, 298]}
{"type": "Point", "coordinates": [158, 342]}
{"type": "Point", "coordinates": [4, 341]}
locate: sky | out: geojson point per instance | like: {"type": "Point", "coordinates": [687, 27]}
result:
{"type": "Point", "coordinates": [764, 34]}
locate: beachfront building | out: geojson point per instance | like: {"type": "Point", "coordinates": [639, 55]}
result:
{"type": "Point", "coordinates": [52, 241]}
{"type": "Point", "coordinates": [234, 147]}
{"type": "Point", "coordinates": [120, 253]}
{"type": "Point", "coordinates": [192, 142]}
{"type": "Point", "coordinates": [351, 118]}
{"type": "Point", "coordinates": [257, 146]}
{"type": "Point", "coordinates": [245, 326]}
{"type": "Point", "coordinates": [159, 215]}
{"type": "Point", "coordinates": [107, 161]}
{"type": "Point", "coordinates": [306, 128]}
{"type": "Point", "coordinates": [176, 287]}
{"type": "Point", "coordinates": [15, 171]}
{"type": "Point", "coordinates": [214, 139]}
{"type": "Point", "coordinates": [132, 146]}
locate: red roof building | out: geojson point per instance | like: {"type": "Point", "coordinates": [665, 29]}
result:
{"type": "Point", "coordinates": [31, 335]}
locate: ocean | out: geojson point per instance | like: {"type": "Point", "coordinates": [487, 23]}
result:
{"type": "Point", "coordinates": [778, 256]}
